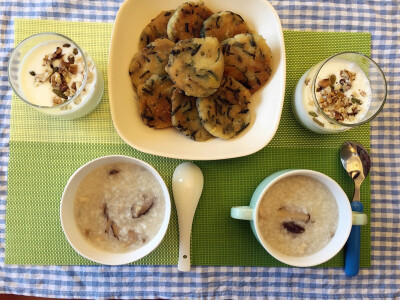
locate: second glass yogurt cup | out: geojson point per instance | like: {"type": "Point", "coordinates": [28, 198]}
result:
{"type": "Point", "coordinates": [344, 91]}
{"type": "Point", "coordinates": [51, 73]}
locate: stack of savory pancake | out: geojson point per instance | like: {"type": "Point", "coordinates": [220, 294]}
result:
{"type": "Point", "coordinates": [196, 70]}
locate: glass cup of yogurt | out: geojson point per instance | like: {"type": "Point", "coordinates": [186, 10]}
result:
{"type": "Point", "coordinates": [52, 74]}
{"type": "Point", "coordinates": [344, 91]}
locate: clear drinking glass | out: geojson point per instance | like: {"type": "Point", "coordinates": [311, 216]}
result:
{"type": "Point", "coordinates": [24, 81]}
{"type": "Point", "coordinates": [344, 91]}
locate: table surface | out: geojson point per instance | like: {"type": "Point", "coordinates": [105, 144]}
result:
{"type": "Point", "coordinates": [382, 280]}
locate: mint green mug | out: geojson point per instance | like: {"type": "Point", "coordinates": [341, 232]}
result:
{"type": "Point", "coordinates": [346, 218]}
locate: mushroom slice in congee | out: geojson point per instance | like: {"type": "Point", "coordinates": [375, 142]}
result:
{"type": "Point", "coordinates": [119, 207]}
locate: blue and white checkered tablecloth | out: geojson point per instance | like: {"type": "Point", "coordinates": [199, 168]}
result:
{"type": "Point", "coordinates": [382, 280]}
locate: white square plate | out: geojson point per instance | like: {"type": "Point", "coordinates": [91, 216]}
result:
{"type": "Point", "coordinates": [266, 104]}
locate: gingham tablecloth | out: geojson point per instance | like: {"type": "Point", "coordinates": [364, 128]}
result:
{"type": "Point", "coordinates": [382, 280]}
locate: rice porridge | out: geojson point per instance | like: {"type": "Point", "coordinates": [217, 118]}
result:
{"type": "Point", "coordinates": [298, 215]}
{"type": "Point", "coordinates": [119, 207]}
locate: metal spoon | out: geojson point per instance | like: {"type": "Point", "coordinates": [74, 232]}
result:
{"type": "Point", "coordinates": [357, 162]}
{"type": "Point", "coordinates": [187, 185]}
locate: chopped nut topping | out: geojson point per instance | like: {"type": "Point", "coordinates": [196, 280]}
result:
{"type": "Point", "coordinates": [78, 100]}
{"type": "Point", "coordinates": [346, 74]}
{"type": "Point", "coordinates": [324, 83]}
{"type": "Point", "coordinates": [73, 69]}
{"type": "Point", "coordinates": [64, 73]}
{"type": "Point", "coordinates": [40, 78]}
{"type": "Point", "coordinates": [57, 54]}
{"type": "Point", "coordinates": [57, 100]}
{"type": "Point", "coordinates": [69, 93]}
{"type": "Point", "coordinates": [64, 65]}
{"type": "Point", "coordinates": [78, 85]}
{"type": "Point", "coordinates": [55, 79]}
{"type": "Point", "coordinates": [64, 86]}
{"type": "Point", "coordinates": [90, 77]}
{"type": "Point", "coordinates": [332, 98]}
{"type": "Point", "coordinates": [46, 59]}
{"type": "Point", "coordinates": [71, 59]}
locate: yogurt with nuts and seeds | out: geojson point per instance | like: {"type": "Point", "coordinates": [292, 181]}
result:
{"type": "Point", "coordinates": [332, 96]}
{"type": "Point", "coordinates": [60, 80]}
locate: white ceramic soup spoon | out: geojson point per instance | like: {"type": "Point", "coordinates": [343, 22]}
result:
{"type": "Point", "coordinates": [187, 185]}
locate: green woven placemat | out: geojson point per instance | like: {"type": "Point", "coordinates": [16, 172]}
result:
{"type": "Point", "coordinates": [44, 152]}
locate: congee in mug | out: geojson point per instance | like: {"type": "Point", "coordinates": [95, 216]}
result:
{"type": "Point", "coordinates": [301, 217]}
{"type": "Point", "coordinates": [298, 215]}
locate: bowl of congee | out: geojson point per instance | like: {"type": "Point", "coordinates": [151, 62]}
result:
{"type": "Point", "coordinates": [115, 210]}
{"type": "Point", "coordinates": [300, 217]}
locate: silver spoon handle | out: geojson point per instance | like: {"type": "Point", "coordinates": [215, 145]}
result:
{"type": "Point", "coordinates": [356, 196]}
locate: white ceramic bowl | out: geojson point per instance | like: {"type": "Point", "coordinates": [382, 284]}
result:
{"type": "Point", "coordinates": [265, 107]}
{"type": "Point", "coordinates": [72, 232]}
